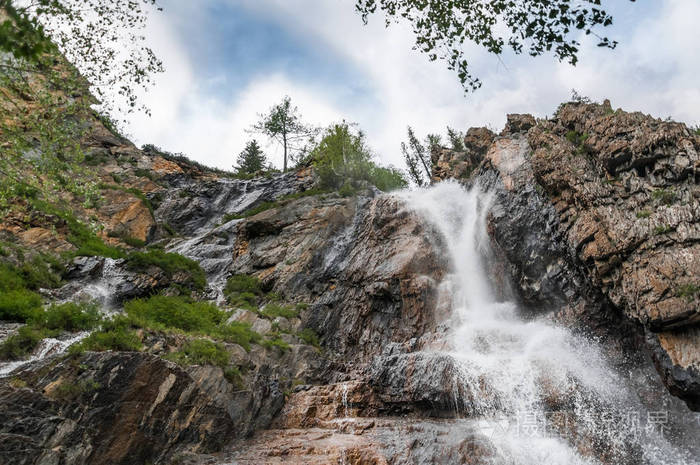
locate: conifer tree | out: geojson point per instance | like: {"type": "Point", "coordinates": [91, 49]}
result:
{"type": "Point", "coordinates": [251, 159]}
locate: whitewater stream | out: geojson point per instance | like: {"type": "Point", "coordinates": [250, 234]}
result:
{"type": "Point", "coordinates": [540, 394]}
{"type": "Point", "coordinates": [48, 347]}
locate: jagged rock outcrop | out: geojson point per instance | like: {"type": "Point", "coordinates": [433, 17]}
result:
{"type": "Point", "coordinates": [192, 206]}
{"type": "Point", "coordinates": [115, 408]}
{"type": "Point", "coordinates": [447, 163]}
{"type": "Point", "coordinates": [598, 218]}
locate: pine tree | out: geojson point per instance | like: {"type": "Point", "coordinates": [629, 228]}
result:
{"type": "Point", "coordinates": [415, 156]}
{"type": "Point", "coordinates": [456, 139]}
{"type": "Point", "coordinates": [251, 159]}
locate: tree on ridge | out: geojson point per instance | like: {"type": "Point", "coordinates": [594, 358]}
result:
{"type": "Point", "coordinates": [282, 123]}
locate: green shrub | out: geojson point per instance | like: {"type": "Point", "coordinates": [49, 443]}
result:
{"type": "Point", "coordinates": [302, 194]}
{"type": "Point", "coordinates": [250, 212]}
{"type": "Point", "coordinates": [273, 310]}
{"type": "Point", "coordinates": [343, 161]}
{"type": "Point", "coordinates": [643, 214]}
{"type": "Point", "coordinates": [69, 317]}
{"type": "Point", "coordinates": [21, 344]}
{"type": "Point", "coordinates": [667, 197]}
{"type": "Point", "coordinates": [97, 158]}
{"type": "Point", "coordinates": [233, 375]}
{"type": "Point", "coordinates": [240, 283]}
{"type": "Point", "coordinates": [10, 279]}
{"type": "Point", "coordinates": [347, 189]}
{"type": "Point", "coordinates": [132, 241]}
{"type": "Point", "coordinates": [309, 336]}
{"type": "Point", "coordinates": [576, 138]}
{"type": "Point", "coordinates": [170, 263]}
{"type": "Point", "coordinates": [237, 333]}
{"type": "Point", "coordinates": [71, 391]}
{"type": "Point", "coordinates": [142, 173]}
{"type": "Point", "coordinates": [163, 312]}
{"type": "Point", "coordinates": [275, 342]}
{"type": "Point", "coordinates": [662, 229]}
{"type": "Point", "coordinates": [243, 291]}
{"type": "Point", "coordinates": [80, 235]}
{"type": "Point", "coordinates": [201, 352]}
{"type": "Point", "coordinates": [42, 271]}
{"type": "Point", "coordinates": [118, 339]}
{"type": "Point", "coordinates": [169, 229]}
{"type": "Point", "coordinates": [19, 305]}
{"type": "Point", "coordinates": [18, 302]}
{"type": "Point", "coordinates": [688, 291]}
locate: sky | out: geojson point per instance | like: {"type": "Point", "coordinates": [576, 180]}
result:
{"type": "Point", "coordinates": [227, 61]}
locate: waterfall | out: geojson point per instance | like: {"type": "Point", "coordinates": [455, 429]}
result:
{"type": "Point", "coordinates": [539, 393]}
{"type": "Point", "coordinates": [48, 346]}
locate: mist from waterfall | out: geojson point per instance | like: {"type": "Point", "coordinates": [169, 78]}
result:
{"type": "Point", "coordinates": [539, 393]}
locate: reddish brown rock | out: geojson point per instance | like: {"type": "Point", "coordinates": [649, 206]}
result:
{"type": "Point", "coordinates": [124, 214]}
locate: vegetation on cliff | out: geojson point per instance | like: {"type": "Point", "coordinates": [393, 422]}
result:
{"type": "Point", "coordinates": [344, 162]}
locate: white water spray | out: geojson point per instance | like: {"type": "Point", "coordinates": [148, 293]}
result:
{"type": "Point", "coordinates": [46, 348]}
{"type": "Point", "coordinates": [528, 372]}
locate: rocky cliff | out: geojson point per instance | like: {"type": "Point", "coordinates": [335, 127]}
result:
{"type": "Point", "coordinates": [598, 221]}
{"type": "Point", "coordinates": [594, 226]}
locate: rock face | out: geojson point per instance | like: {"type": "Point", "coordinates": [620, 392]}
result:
{"type": "Point", "coordinates": [113, 408]}
{"type": "Point", "coordinates": [194, 206]}
{"type": "Point", "coordinates": [449, 164]}
{"type": "Point", "coordinates": [594, 223]}
{"type": "Point", "coordinates": [367, 267]}
{"type": "Point", "coordinates": [598, 219]}
{"type": "Point", "coordinates": [111, 282]}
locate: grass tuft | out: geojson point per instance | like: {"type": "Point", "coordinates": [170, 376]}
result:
{"type": "Point", "coordinates": [170, 263]}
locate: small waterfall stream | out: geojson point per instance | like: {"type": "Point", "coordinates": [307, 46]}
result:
{"type": "Point", "coordinates": [539, 393]}
{"type": "Point", "coordinates": [47, 347]}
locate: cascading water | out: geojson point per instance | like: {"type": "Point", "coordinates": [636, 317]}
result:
{"type": "Point", "coordinates": [539, 393]}
{"type": "Point", "coordinates": [49, 346]}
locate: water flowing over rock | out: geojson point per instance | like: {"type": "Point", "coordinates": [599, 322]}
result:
{"type": "Point", "coordinates": [366, 266]}
{"type": "Point", "coordinates": [539, 308]}
{"type": "Point", "coordinates": [597, 221]}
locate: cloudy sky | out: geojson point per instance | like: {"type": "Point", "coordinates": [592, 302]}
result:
{"type": "Point", "coordinates": [228, 60]}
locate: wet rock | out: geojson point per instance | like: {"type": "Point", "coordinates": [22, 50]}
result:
{"type": "Point", "coordinates": [422, 382]}
{"type": "Point", "coordinates": [111, 282]}
{"type": "Point", "coordinates": [677, 358]}
{"type": "Point", "coordinates": [315, 406]}
{"type": "Point", "coordinates": [596, 219]}
{"type": "Point", "coordinates": [113, 408]}
{"type": "Point", "coordinates": [192, 206]}
{"type": "Point", "coordinates": [373, 441]}
{"type": "Point", "coordinates": [366, 266]}
{"type": "Point", "coordinates": [84, 267]}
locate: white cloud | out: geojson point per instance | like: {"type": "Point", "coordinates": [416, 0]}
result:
{"type": "Point", "coordinates": [654, 70]}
